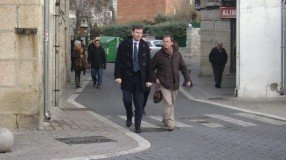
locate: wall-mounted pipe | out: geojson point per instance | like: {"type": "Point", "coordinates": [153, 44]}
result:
{"type": "Point", "coordinates": [57, 56]}
{"type": "Point", "coordinates": [283, 45]}
{"type": "Point", "coordinates": [47, 105]}
{"type": "Point", "coordinates": [237, 87]}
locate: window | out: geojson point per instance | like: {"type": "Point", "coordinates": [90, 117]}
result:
{"type": "Point", "coordinates": [158, 43]}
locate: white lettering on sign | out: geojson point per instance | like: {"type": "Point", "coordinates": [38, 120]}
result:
{"type": "Point", "coordinates": [227, 12]}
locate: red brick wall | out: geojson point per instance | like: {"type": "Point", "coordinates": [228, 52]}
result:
{"type": "Point", "coordinates": [138, 10]}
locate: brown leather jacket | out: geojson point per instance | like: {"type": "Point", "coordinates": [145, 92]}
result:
{"type": "Point", "coordinates": [166, 67]}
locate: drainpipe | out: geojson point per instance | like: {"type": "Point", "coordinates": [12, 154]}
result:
{"type": "Point", "coordinates": [237, 48]}
{"type": "Point", "coordinates": [283, 45]}
{"type": "Point", "coordinates": [47, 108]}
{"type": "Point", "coordinates": [57, 68]}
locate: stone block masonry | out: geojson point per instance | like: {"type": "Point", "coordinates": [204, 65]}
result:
{"type": "Point", "coordinates": [21, 60]}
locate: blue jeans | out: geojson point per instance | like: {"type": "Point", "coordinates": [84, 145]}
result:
{"type": "Point", "coordinates": [97, 75]}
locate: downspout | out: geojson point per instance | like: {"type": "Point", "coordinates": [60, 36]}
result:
{"type": "Point", "coordinates": [237, 48]}
{"type": "Point", "coordinates": [57, 72]}
{"type": "Point", "coordinates": [47, 108]}
{"type": "Point", "coordinates": [283, 44]}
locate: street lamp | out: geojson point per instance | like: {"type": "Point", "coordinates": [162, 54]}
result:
{"type": "Point", "coordinates": [87, 14]}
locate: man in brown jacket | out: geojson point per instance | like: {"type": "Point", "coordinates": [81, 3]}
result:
{"type": "Point", "coordinates": [165, 67]}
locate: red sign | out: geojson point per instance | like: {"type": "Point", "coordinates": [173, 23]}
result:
{"type": "Point", "coordinates": [227, 12]}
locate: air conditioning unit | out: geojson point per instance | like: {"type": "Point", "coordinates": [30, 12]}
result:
{"type": "Point", "coordinates": [108, 14]}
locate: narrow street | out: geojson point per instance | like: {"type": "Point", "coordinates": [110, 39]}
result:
{"type": "Point", "coordinates": [204, 131]}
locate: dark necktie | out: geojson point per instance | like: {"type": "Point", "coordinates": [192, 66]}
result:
{"type": "Point", "coordinates": [135, 58]}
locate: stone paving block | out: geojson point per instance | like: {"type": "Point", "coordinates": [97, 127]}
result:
{"type": "Point", "coordinates": [66, 127]}
{"type": "Point", "coordinates": [49, 128]}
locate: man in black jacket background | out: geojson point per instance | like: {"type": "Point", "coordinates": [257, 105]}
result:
{"type": "Point", "coordinates": [218, 59]}
{"type": "Point", "coordinates": [97, 59]}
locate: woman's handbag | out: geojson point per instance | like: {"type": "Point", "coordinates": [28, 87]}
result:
{"type": "Point", "coordinates": [158, 96]}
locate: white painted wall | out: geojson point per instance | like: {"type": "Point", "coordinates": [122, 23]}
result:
{"type": "Point", "coordinates": [260, 52]}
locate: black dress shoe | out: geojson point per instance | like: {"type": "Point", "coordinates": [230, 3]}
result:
{"type": "Point", "coordinates": [144, 111]}
{"type": "Point", "coordinates": [217, 86]}
{"type": "Point", "coordinates": [128, 123]}
{"type": "Point", "coordinates": [138, 130]}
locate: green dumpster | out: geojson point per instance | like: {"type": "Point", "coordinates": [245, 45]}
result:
{"type": "Point", "coordinates": [110, 45]}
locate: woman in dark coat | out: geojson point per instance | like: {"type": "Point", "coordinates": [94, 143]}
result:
{"type": "Point", "coordinates": [79, 60]}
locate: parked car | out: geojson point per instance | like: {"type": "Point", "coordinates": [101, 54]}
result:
{"type": "Point", "coordinates": [154, 45]}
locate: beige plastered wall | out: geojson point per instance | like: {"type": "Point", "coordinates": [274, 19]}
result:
{"type": "Point", "coordinates": [21, 61]}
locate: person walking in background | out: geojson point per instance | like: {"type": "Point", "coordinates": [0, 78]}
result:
{"type": "Point", "coordinates": [97, 59]}
{"type": "Point", "coordinates": [132, 72]}
{"type": "Point", "coordinates": [72, 47]}
{"type": "Point", "coordinates": [79, 60]}
{"type": "Point", "coordinates": [83, 46]}
{"type": "Point", "coordinates": [146, 92]}
{"type": "Point", "coordinates": [218, 59]}
{"type": "Point", "coordinates": [165, 67]}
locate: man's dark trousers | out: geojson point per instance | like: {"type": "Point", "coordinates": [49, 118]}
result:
{"type": "Point", "coordinates": [138, 96]}
{"type": "Point", "coordinates": [146, 95]}
{"type": "Point", "coordinates": [218, 71]}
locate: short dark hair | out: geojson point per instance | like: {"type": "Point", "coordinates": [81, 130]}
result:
{"type": "Point", "coordinates": [175, 44]}
{"type": "Point", "coordinates": [137, 27]}
{"type": "Point", "coordinates": [167, 35]}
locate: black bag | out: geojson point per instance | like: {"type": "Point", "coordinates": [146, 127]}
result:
{"type": "Point", "coordinates": [157, 97]}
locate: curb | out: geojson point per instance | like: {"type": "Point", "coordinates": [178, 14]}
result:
{"type": "Point", "coordinates": [143, 144]}
{"type": "Point", "coordinates": [189, 96]}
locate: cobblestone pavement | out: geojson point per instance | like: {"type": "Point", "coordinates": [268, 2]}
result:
{"type": "Point", "coordinates": [205, 130]}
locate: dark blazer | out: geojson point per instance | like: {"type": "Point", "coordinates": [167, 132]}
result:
{"type": "Point", "coordinates": [96, 56]}
{"type": "Point", "coordinates": [124, 64]}
{"type": "Point", "coordinates": [166, 68]}
{"type": "Point", "coordinates": [218, 56]}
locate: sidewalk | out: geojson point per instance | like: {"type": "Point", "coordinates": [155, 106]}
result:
{"type": "Point", "coordinates": [75, 132]}
{"type": "Point", "coordinates": [205, 91]}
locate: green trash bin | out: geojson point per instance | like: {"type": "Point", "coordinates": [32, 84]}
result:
{"type": "Point", "coordinates": [110, 45]}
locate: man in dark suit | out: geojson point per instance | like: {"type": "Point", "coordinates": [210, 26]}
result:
{"type": "Point", "coordinates": [132, 72]}
{"type": "Point", "coordinates": [218, 59]}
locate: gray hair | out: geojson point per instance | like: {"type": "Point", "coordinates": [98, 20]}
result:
{"type": "Point", "coordinates": [77, 42]}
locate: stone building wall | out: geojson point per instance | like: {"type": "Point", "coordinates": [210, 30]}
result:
{"type": "Point", "coordinates": [21, 60]}
{"type": "Point", "coordinates": [192, 52]}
